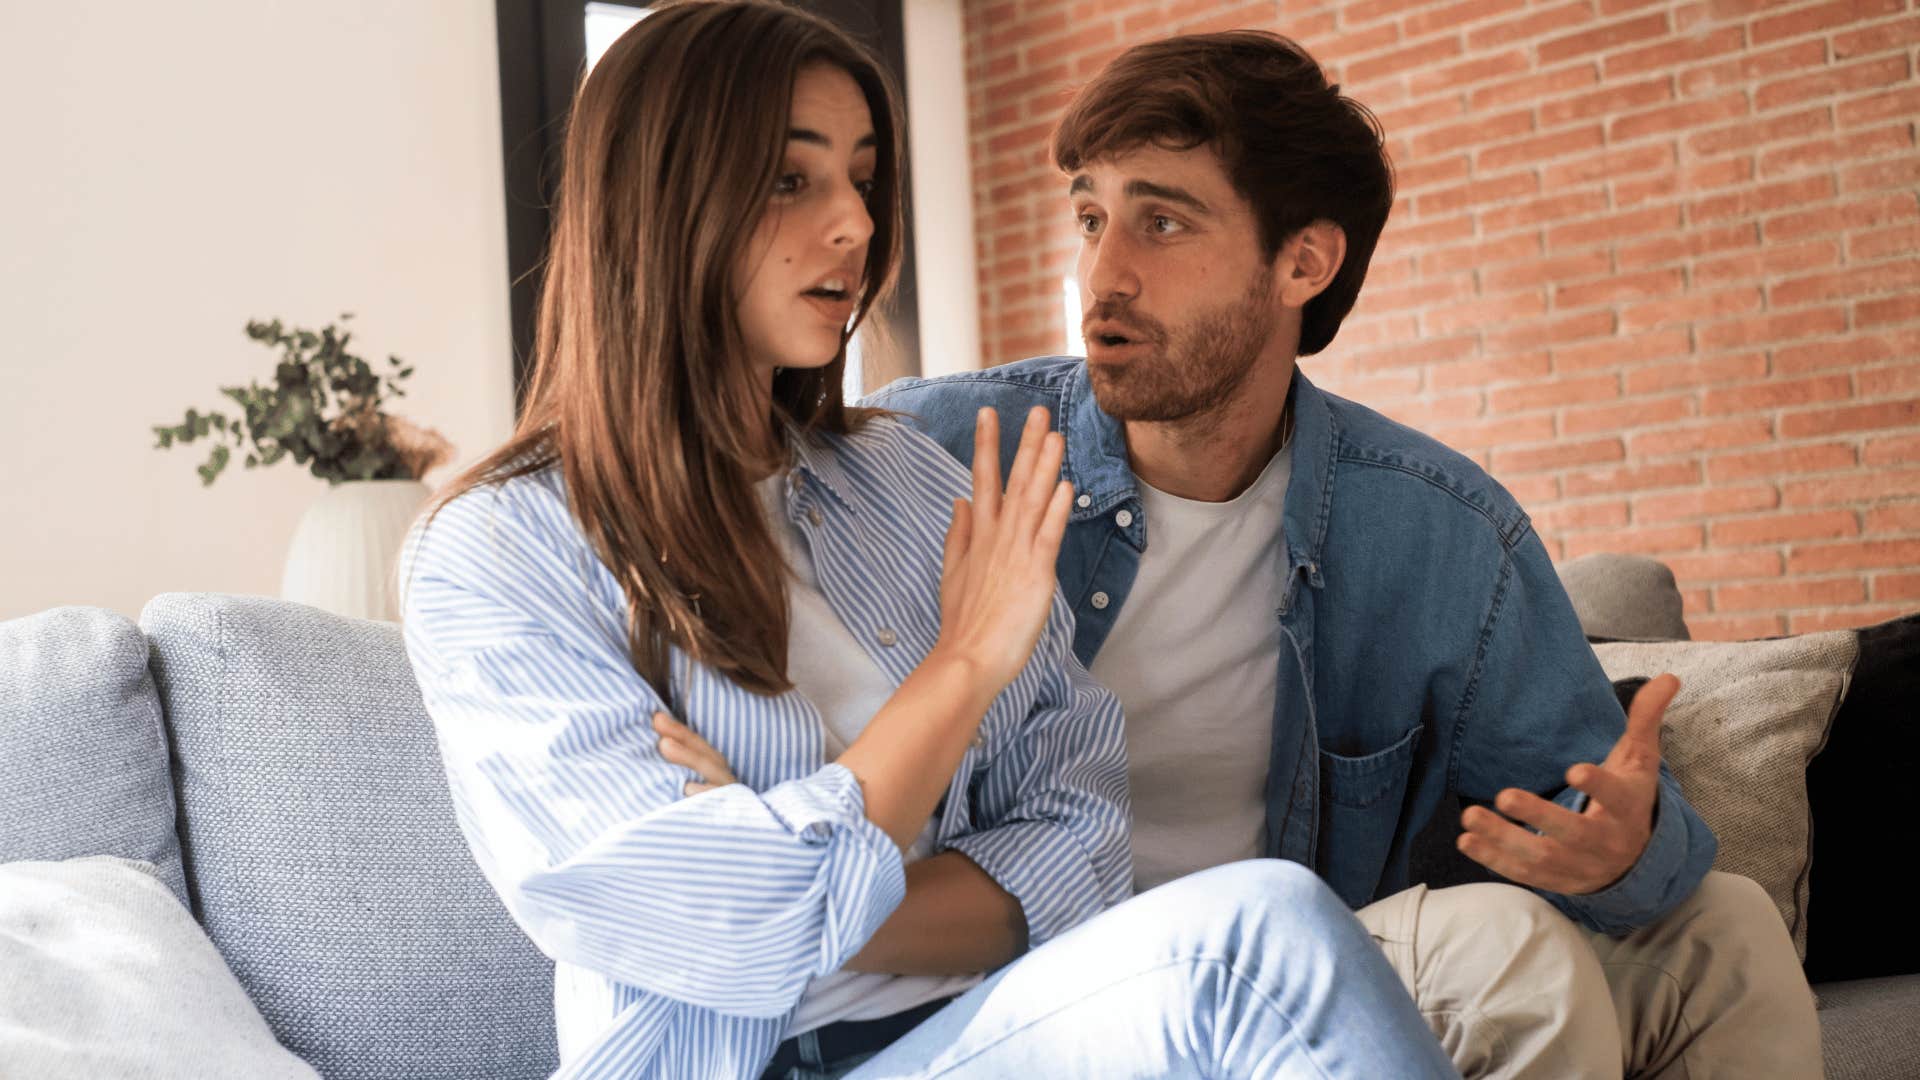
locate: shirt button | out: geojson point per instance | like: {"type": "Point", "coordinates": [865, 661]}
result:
{"type": "Point", "coordinates": [886, 637]}
{"type": "Point", "coordinates": [815, 516]}
{"type": "Point", "coordinates": [1100, 601]}
{"type": "Point", "coordinates": [1083, 501]}
{"type": "Point", "coordinates": [1123, 519]}
{"type": "Point", "coordinates": [979, 741]}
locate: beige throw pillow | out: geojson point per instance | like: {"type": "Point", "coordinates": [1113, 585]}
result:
{"type": "Point", "coordinates": [1749, 717]}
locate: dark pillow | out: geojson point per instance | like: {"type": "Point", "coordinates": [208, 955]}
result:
{"type": "Point", "coordinates": [1863, 817]}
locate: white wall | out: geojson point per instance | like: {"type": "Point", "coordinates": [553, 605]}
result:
{"type": "Point", "coordinates": [943, 236]}
{"type": "Point", "coordinates": [173, 170]}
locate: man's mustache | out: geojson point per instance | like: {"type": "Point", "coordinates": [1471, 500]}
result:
{"type": "Point", "coordinates": [1135, 325]}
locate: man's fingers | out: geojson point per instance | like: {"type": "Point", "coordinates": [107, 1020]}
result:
{"type": "Point", "coordinates": [1550, 818]}
{"type": "Point", "coordinates": [1503, 847]}
{"type": "Point", "coordinates": [986, 466]}
{"type": "Point", "coordinates": [1648, 711]}
{"type": "Point", "coordinates": [1609, 789]}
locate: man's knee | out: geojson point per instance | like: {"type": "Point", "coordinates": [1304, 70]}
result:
{"type": "Point", "coordinates": [1501, 921]}
{"type": "Point", "coordinates": [1730, 903]}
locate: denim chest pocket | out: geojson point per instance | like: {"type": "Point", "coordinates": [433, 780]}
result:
{"type": "Point", "coordinates": [1363, 782]}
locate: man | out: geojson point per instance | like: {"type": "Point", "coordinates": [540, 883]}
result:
{"type": "Point", "coordinates": [1324, 627]}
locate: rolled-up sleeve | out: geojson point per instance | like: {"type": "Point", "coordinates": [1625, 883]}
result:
{"type": "Point", "coordinates": [731, 900]}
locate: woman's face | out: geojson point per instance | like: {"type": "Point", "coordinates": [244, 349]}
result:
{"type": "Point", "coordinates": [801, 271]}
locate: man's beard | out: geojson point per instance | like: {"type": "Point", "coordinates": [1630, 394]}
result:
{"type": "Point", "coordinates": [1190, 371]}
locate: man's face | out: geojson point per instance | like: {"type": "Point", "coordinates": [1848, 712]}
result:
{"type": "Point", "coordinates": [1178, 302]}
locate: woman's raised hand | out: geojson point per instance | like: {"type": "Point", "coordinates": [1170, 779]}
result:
{"type": "Point", "coordinates": [997, 578]}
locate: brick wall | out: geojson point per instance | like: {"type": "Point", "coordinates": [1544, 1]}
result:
{"type": "Point", "coordinates": [1653, 264]}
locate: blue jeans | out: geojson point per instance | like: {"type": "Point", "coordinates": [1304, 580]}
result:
{"type": "Point", "coordinates": [1255, 969]}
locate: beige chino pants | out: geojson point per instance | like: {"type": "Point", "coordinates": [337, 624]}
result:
{"type": "Point", "coordinates": [1514, 989]}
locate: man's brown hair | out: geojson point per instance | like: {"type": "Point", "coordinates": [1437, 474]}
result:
{"type": "Point", "coordinates": [1292, 145]}
{"type": "Point", "coordinates": [643, 391]}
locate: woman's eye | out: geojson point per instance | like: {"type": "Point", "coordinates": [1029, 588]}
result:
{"type": "Point", "coordinates": [866, 188]}
{"type": "Point", "coordinates": [790, 184]}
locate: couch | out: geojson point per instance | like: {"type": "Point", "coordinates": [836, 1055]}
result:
{"type": "Point", "coordinates": [275, 767]}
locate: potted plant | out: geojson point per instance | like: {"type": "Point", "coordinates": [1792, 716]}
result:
{"type": "Point", "coordinates": [327, 410]}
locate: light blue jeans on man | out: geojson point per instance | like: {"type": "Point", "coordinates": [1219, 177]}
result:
{"type": "Point", "coordinates": [1254, 969]}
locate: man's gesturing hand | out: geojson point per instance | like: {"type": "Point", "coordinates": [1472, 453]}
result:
{"type": "Point", "coordinates": [1588, 851]}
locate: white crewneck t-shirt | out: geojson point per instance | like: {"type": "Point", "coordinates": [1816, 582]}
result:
{"type": "Point", "coordinates": [1200, 728]}
{"type": "Point", "coordinates": [830, 668]}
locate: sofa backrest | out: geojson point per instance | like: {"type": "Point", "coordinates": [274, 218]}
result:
{"type": "Point", "coordinates": [83, 753]}
{"type": "Point", "coordinates": [321, 849]}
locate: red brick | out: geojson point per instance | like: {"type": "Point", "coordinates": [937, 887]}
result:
{"type": "Point", "coordinates": [1831, 81]}
{"type": "Point", "coordinates": [1720, 173]}
{"type": "Point", "coordinates": [1489, 372]}
{"type": "Point", "coordinates": [1886, 414]}
{"type": "Point", "coordinates": [1540, 148]}
{"type": "Point", "coordinates": [1485, 311]}
{"type": "Point", "coordinates": [1854, 555]}
{"type": "Point", "coordinates": [1531, 25]}
{"type": "Point", "coordinates": [1775, 394]}
{"type": "Point", "coordinates": [1851, 351]}
{"type": "Point", "coordinates": [1613, 99]}
{"type": "Point", "coordinates": [1613, 163]}
{"type": "Point", "coordinates": [1763, 199]}
{"type": "Point", "coordinates": [1623, 287]}
{"type": "Point", "coordinates": [1692, 308]}
{"type": "Point", "coordinates": [1904, 518]}
{"type": "Point", "coordinates": [1528, 490]}
{"type": "Point", "coordinates": [1403, 60]}
{"type": "Point", "coordinates": [1890, 105]}
{"type": "Point", "coordinates": [1558, 455]}
{"type": "Point", "coordinates": [1429, 411]}
{"type": "Point", "coordinates": [1873, 39]}
{"type": "Point", "coordinates": [1366, 11]}
{"type": "Point", "coordinates": [1857, 214]}
{"type": "Point", "coordinates": [1536, 210]}
{"type": "Point", "coordinates": [1752, 133]}
{"type": "Point", "coordinates": [1846, 619]}
{"type": "Point", "coordinates": [1825, 153]}
{"type": "Point", "coordinates": [1631, 193]}
{"type": "Point", "coordinates": [1896, 587]}
{"type": "Point", "coordinates": [1417, 296]}
{"type": "Point", "coordinates": [1429, 172]}
{"type": "Point", "coordinates": [1784, 595]}
{"type": "Point", "coordinates": [1484, 129]}
{"type": "Point", "coordinates": [1470, 256]}
{"type": "Point", "coordinates": [1891, 310]}
{"type": "Point", "coordinates": [1638, 540]}
{"type": "Point", "coordinates": [1703, 503]}
{"type": "Point", "coordinates": [1753, 65]}
{"type": "Point", "coordinates": [1725, 566]}
{"type": "Point", "coordinates": [1429, 19]}
{"type": "Point", "coordinates": [1822, 457]}
{"type": "Point", "coordinates": [1900, 172]}
{"type": "Point", "coordinates": [1338, 46]}
{"type": "Point", "coordinates": [1466, 73]}
{"type": "Point", "coordinates": [1633, 478]}
{"type": "Point", "coordinates": [1409, 349]}
{"type": "Point", "coordinates": [1781, 528]}
{"type": "Point", "coordinates": [1702, 435]}
{"type": "Point", "coordinates": [1420, 114]}
{"type": "Point", "coordinates": [1888, 381]}
{"type": "Point", "coordinates": [1532, 335]}
{"type": "Point", "coordinates": [1893, 450]}
{"type": "Point", "coordinates": [1429, 232]}
{"type": "Point", "coordinates": [1852, 489]}
{"type": "Point", "coordinates": [1736, 627]}
{"type": "Point", "coordinates": [1672, 118]}
{"type": "Point", "coordinates": [1690, 243]}
{"type": "Point", "coordinates": [1820, 17]}
{"type": "Point", "coordinates": [1534, 87]}
{"type": "Point", "coordinates": [1601, 38]}
{"type": "Point", "coordinates": [1901, 240]}
{"type": "Point", "coordinates": [1625, 416]}
{"type": "Point", "coordinates": [1670, 54]}
{"type": "Point", "coordinates": [1767, 263]}
{"type": "Point", "coordinates": [1614, 227]}
{"type": "Point", "coordinates": [1761, 329]}
{"type": "Point", "coordinates": [1558, 392]}
{"type": "Point", "coordinates": [1477, 193]}
{"type": "Point", "coordinates": [1589, 515]}
{"type": "Point", "coordinates": [1634, 349]}
{"type": "Point", "coordinates": [1530, 274]}
{"type": "Point", "coordinates": [1487, 434]}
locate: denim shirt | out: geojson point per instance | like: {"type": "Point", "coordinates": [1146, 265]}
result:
{"type": "Point", "coordinates": [1428, 649]}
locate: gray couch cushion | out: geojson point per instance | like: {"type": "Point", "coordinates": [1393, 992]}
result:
{"type": "Point", "coordinates": [1870, 1028]}
{"type": "Point", "coordinates": [83, 753]}
{"type": "Point", "coordinates": [1625, 597]}
{"type": "Point", "coordinates": [322, 851]}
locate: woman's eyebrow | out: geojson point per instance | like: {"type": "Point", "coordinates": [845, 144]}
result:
{"type": "Point", "coordinates": [808, 135]}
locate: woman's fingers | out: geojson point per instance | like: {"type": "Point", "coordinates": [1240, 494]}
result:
{"type": "Point", "coordinates": [680, 746]}
{"type": "Point", "coordinates": [1053, 526]}
{"type": "Point", "coordinates": [986, 467]}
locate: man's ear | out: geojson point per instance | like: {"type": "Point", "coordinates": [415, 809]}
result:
{"type": "Point", "coordinates": [1308, 262]}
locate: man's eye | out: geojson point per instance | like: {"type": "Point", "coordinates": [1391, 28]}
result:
{"type": "Point", "coordinates": [1089, 223]}
{"type": "Point", "coordinates": [790, 184]}
{"type": "Point", "coordinates": [1164, 224]}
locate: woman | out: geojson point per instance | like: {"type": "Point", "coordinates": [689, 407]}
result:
{"type": "Point", "coordinates": [692, 550]}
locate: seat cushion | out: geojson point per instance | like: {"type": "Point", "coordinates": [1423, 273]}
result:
{"type": "Point", "coordinates": [1870, 1028]}
{"type": "Point", "coordinates": [322, 852]}
{"type": "Point", "coordinates": [83, 752]}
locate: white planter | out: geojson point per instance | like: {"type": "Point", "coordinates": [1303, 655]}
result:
{"type": "Point", "coordinates": [345, 548]}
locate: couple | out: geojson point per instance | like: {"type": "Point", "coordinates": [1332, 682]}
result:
{"type": "Point", "coordinates": [770, 724]}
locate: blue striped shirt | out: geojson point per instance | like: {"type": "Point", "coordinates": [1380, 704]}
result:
{"type": "Point", "coordinates": [685, 930]}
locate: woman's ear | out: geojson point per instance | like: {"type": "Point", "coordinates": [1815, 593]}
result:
{"type": "Point", "coordinates": [1308, 262]}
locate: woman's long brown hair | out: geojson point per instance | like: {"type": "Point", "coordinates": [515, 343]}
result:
{"type": "Point", "coordinates": [642, 390]}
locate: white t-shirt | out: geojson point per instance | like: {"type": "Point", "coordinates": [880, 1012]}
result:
{"type": "Point", "coordinates": [831, 669]}
{"type": "Point", "coordinates": [1193, 658]}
